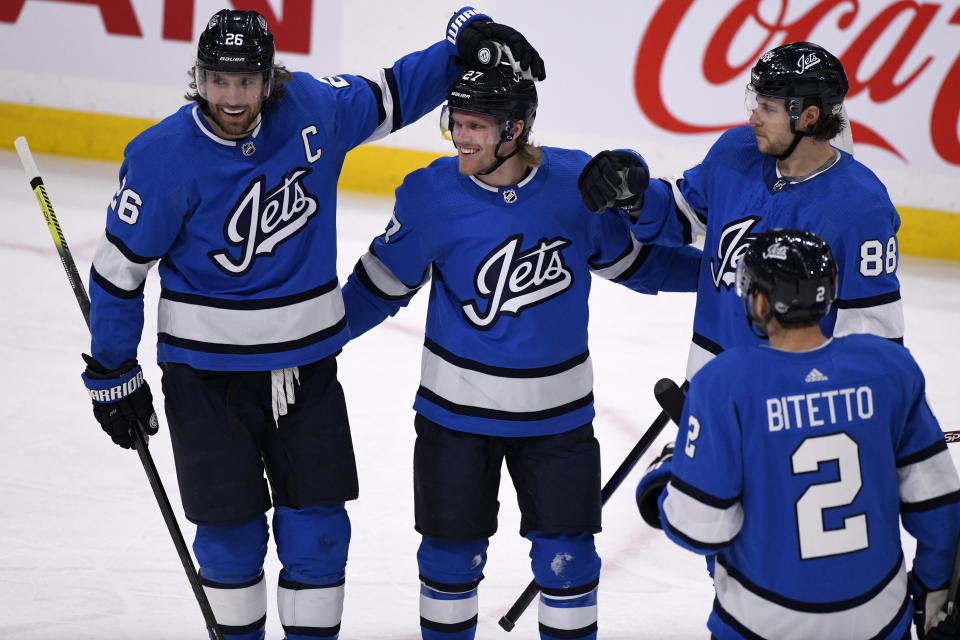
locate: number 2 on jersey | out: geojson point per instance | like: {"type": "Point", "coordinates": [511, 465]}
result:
{"type": "Point", "coordinates": [815, 540]}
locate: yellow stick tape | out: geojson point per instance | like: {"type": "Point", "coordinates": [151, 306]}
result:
{"type": "Point", "coordinates": [368, 169]}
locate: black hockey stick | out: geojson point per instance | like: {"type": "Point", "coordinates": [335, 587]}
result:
{"type": "Point", "coordinates": [671, 399]}
{"type": "Point", "coordinates": [663, 386]}
{"type": "Point", "coordinates": [140, 437]}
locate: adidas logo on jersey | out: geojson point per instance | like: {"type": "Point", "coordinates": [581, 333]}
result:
{"type": "Point", "coordinates": [815, 376]}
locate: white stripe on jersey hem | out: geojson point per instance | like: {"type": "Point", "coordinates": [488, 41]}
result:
{"type": "Point", "coordinates": [122, 273]}
{"type": "Point", "coordinates": [701, 522]}
{"type": "Point", "coordinates": [884, 320]}
{"type": "Point", "coordinates": [448, 611]}
{"type": "Point", "coordinates": [928, 479]}
{"type": "Point", "coordinates": [617, 268]}
{"type": "Point", "coordinates": [383, 279]}
{"type": "Point", "coordinates": [210, 134]}
{"type": "Point", "coordinates": [471, 388]}
{"type": "Point", "coordinates": [321, 608]}
{"type": "Point", "coordinates": [250, 326]}
{"type": "Point", "coordinates": [771, 620]}
{"type": "Point", "coordinates": [238, 607]}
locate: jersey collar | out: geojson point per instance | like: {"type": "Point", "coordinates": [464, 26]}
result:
{"type": "Point", "coordinates": [511, 193]}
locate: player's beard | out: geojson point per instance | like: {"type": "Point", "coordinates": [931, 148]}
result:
{"type": "Point", "coordinates": [770, 146]}
{"type": "Point", "coordinates": [232, 127]}
{"type": "Point", "coordinates": [481, 160]}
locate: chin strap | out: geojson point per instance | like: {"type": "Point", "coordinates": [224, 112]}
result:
{"type": "Point", "coordinates": [505, 137]}
{"type": "Point", "coordinates": [499, 159]}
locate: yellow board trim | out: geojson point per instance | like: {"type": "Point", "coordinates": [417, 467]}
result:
{"type": "Point", "coordinates": [369, 169]}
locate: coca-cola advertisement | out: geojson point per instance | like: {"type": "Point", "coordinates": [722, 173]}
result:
{"type": "Point", "coordinates": [663, 76]}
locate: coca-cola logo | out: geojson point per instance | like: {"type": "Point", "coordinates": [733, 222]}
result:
{"type": "Point", "coordinates": [745, 20]}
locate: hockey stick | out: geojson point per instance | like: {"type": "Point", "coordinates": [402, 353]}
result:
{"type": "Point", "coordinates": [665, 385]}
{"type": "Point", "coordinates": [671, 399]}
{"type": "Point", "coordinates": [140, 438]}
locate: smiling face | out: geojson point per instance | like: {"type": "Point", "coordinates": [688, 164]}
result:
{"type": "Point", "coordinates": [234, 99]}
{"type": "Point", "coordinates": [476, 136]}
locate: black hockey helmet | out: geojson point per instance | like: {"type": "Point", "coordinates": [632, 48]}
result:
{"type": "Point", "coordinates": [497, 92]}
{"type": "Point", "coordinates": [795, 270]}
{"type": "Point", "coordinates": [236, 42]}
{"type": "Point", "coordinates": [801, 70]}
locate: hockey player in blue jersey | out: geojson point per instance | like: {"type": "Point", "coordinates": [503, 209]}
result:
{"type": "Point", "coordinates": [781, 171]}
{"type": "Point", "coordinates": [506, 374]}
{"type": "Point", "coordinates": [797, 461]}
{"type": "Point", "coordinates": [235, 196]}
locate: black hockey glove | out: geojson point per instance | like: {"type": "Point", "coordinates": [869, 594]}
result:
{"type": "Point", "coordinates": [651, 486]}
{"type": "Point", "coordinates": [614, 179]}
{"type": "Point", "coordinates": [929, 612]}
{"type": "Point", "coordinates": [475, 47]}
{"type": "Point", "coordinates": [121, 401]}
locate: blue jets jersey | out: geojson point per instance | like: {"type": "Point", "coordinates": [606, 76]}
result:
{"type": "Point", "coordinates": [795, 469]}
{"type": "Point", "coordinates": [736, 193]}
{"type": "Point", "coordinates": [244, 230]}
{"type": "Point", "coordinates": [506, 337]}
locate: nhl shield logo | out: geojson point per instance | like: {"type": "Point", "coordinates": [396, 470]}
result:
{"type": "Point", "coordinates": [510, 196]}
{"type": "Point", "coordinates": [247, 148]}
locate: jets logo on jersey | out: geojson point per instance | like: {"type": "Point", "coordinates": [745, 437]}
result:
{"type": "Point", "coordinates": [734, 240]}
{"type": "Point", "coordinates": [509, 280]}
{"type": "Point", "coordinates": [258, 223]}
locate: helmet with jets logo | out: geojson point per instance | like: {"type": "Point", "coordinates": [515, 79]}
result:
{"type": "Point", "coordinates": [795, 270]}
{"type": "Point", "coordinates": [801, 70]}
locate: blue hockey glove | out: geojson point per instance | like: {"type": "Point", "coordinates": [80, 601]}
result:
{"type": "Point", "coordinates": [929, 612]}
{"type": "Point", "coordinates": [477, 36]}
{"type": "Point", "coordinates": [121, 400]}
{"type": "Point", "coordinates": [614, 179]}
{"type": "Point", "coordinates": [651, 486]}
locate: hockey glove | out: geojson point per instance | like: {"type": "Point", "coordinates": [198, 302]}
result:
{"type": "Point", "coordinates": [614, 179]}
{"type": "Point", "coordinates": [929, 612]}
{"type": "Point", "coordinates": [476, 46]}
{"type": "Point", "coordinates": [121, 401]}
{"type": "Point", "coordinates": [651, 486]}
